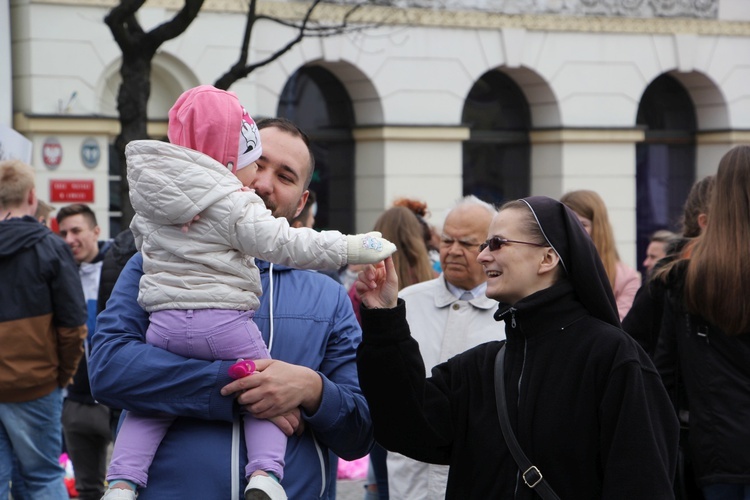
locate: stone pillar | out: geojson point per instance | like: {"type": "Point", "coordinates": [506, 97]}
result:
{"type": "Point", "coordinates": [712, 146]}
{"type": "Point", "coordinates": [6, 70]}
{"type": "Point", "coordinates": [418, 162]}
{"type": "Point", "coordinates": [602, 160]}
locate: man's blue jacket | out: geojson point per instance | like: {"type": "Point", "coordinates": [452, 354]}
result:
{"type": "Point", "coordinates": [203, 454]}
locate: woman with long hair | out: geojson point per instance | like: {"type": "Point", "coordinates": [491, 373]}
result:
{"type": "Point", "coordinates": [413, 262]}
{"type": "Point", "coordinates": [583, 400]}
{"type": "Point", "coordinates": [704, 346]}
{"type": "Point", "coordinates": [643, 321]}
{"type": "Point", "coordinates": [431, 236]}
{"type": "Point", "coordinates": [592, 212]}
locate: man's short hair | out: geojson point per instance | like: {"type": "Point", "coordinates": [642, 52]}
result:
{"type": "Point", "coordinates": [76, 209]}
{"type": "Point", "coordinates": [662, 236]}
{"type": "Point", "coordinates": [473, 200]}
{"type": "Point", "coordinates": [291, 128]}
{"type": "Point", "coordinates": [16, 180]}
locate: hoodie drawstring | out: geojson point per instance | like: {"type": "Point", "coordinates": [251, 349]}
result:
{"type": "Point", "coordinates": [270, 307]}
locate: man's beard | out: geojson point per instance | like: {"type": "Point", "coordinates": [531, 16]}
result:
{"type": "Point", "coordinates": [278, 212]}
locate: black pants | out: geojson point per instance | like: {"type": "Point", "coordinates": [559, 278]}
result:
{"type": "Point", "coordinates": [87, 436]}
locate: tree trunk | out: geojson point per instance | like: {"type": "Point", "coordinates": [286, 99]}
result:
{"type": "Point", "coordinates": [132, 103]}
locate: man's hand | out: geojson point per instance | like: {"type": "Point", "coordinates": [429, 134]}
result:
{"type": "Point", "coordinates": [276, 388]}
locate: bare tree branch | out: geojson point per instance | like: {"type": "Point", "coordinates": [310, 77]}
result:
{"type": "Point", "coordinates": [178, 24]}
{"type": "Point", "coordinates": [242, 69]}
{"type": "Point", "coordinates": [129, 34]}
{"type": "Point", "coordinates": [123, 24]}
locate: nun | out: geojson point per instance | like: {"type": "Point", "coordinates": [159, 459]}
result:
{"type": "Point", "coordinates": [568, 407]}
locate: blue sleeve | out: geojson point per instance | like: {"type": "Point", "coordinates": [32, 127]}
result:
{"type": "Point", "coordinates": [342, 421]}
{"type": "Point", "coordinates": [126, 372]}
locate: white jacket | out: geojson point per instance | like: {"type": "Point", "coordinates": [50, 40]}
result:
{"type": "Point", "coordinates": [443, 326]}
{"type": "Point", "coordinates": [211, 265]}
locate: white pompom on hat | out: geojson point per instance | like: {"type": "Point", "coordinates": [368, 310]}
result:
{"type": "Point", "coordinates": [250, 147]}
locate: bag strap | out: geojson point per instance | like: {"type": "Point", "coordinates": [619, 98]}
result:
{"type": "Point", "coordinates": [531, 475]}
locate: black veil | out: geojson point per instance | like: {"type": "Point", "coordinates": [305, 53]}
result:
{"type": "Point", "coordinates": [578, 255]}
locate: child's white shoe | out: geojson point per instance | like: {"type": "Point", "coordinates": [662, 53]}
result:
{"type": "Point", "coordinates": [264, 488]}
{"type": "Point", "coordinates": [119, 494]}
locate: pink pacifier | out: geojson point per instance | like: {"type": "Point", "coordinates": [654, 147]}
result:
{"type": "Point", "coordinates": [242, 368]}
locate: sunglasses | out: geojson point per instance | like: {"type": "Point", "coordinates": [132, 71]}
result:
{"type": "Point", "coordinates": [496, 243]}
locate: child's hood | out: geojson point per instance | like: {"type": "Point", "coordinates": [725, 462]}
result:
{"type": "Point", "coordinates": [208, 120]}
{"type": "Point", "coordinates": [170, 184]}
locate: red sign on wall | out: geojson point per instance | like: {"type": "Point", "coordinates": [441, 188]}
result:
{"type": "Point", "coordinates": [78, 191]}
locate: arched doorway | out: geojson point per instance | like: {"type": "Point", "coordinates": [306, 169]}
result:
{"type": "Point", "coordinates": [497, 155]}
{"type": "Point", "coordinates": [318, 103]}
{"type": "Point", "coordinates": [665, 168]}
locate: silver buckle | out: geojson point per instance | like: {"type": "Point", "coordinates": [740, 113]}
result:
{"type": "Point", "coordinates": [538, 479]}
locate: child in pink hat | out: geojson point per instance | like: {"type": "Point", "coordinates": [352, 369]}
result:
{"type": "Point", "coordinates": [201, 285]}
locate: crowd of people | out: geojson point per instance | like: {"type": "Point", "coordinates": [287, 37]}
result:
{"type": "Point", "coordinates": [504, 352]}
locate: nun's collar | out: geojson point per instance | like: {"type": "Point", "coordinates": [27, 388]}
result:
{"type": "Point", "coordinates": [550, 309]}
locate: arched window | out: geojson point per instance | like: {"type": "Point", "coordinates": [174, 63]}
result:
{"type": "Point", "coordinates": [496, 156]}
{"type": "Point", "coordinates": [665, 167]}
{"type": "Point", "coordinates": [318, 103]}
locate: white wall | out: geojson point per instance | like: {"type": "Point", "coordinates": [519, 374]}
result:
{"type": "Point", "coordinates": [6, 68]}
{"type": "Point", "coordinates": [416, 78]}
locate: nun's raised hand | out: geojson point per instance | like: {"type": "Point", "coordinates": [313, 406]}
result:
{"type": "Point", "coordinates": [377, 285]}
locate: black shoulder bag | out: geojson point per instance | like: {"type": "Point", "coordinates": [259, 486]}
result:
{"type": "Point", "coordinates": [531, 475]}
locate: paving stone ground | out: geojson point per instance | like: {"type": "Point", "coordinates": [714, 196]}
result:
{"type": "Point", "coordinates": [348, 489]}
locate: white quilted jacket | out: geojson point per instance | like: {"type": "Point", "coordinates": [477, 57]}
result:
{"type": "Point", "coordinates": [212, 265]}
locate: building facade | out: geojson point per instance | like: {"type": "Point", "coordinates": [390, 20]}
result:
{"type": "Point", "coordinates": [635, 99]}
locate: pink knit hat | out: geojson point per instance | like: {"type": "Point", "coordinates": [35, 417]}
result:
{"type": "Point", "coordinates": [214, 122]}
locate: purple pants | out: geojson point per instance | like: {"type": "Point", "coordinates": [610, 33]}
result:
{"type": "Point", "coordinates": [208, 334]}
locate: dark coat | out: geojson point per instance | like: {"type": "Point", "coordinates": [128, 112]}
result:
{"type": "Point", "coordinates": [121, 250]}
{"type": "Point", "coordinates": [585, 402]}
{"type": "Point", "coordinates": [714, 371]}
{"type": "Point", "coordinates": [643, 321]}
{"type": "Point", "coordinates": [43, 312]}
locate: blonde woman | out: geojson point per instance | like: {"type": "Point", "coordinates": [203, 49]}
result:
{"type": "Point", "coordinates": [592, 212]}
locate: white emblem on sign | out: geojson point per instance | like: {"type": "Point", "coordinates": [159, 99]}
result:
{"type": "Point", "coordinates": [52, 153]}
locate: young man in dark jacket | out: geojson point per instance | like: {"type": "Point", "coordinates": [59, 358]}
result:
{"type": "Point", "coordinates": [86, 423]}
{"type": "Point", "coordinates": [42, 326]}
